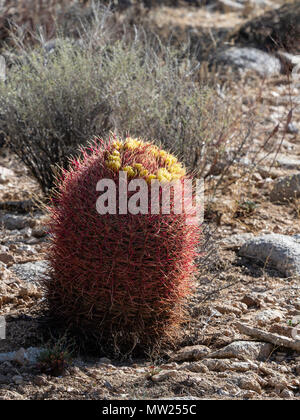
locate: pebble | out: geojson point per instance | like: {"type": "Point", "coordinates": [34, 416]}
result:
{"type": "Point", "coordinates": [286, 188]}
{"type": "Point", "coordinates": [164, 375]}
{"type": "Point", "coordinates": [18, 379]}
{"type": "Point", "coordinates": [286, 393]}
{"type": "Point", "coordinates": [6, 258]}
{"type": "Point", "coordinates": [40, 380]}
{"type": "Point", "coordinates": [190, 353]}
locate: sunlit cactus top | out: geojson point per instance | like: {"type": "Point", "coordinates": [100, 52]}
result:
{"type": "Point", "coordinates": [167, 167]}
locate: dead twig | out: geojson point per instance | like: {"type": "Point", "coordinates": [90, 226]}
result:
{"type": "Point", "coordinates": [275, 339]}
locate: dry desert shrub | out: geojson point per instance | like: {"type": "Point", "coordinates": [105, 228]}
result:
{"type": "Point", "coordinates": [57, 97]}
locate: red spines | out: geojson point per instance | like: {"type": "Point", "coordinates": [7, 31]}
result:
{"type": "Point", "coordinates": [124, 275]}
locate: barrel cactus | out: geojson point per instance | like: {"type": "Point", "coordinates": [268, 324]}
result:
{"type": "Point", "coordinates": [119, 278]}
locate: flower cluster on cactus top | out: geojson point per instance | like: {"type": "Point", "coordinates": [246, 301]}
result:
{"type": "Point", "coordinates": [169, 167]}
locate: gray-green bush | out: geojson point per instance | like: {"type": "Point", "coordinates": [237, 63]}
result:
{"type": "Point", "coordinates": [48, 108]}
{"type": "Point", "coordinates": [53, 102]}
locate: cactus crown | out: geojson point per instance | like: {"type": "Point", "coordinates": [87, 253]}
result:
{"type": "Point", "coordinates": [169, 168]}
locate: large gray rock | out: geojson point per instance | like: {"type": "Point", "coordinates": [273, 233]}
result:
{"type": "Point", "coordinates": [286, 188]}
{"type": "Point", "coordinates": [276, 29]}
{"type": "Point", "coordinates": [246, 58]}
{"type": "Point", "coordinates": [22, 356]}
{"type": "Point", "coordinates": [279, 251]}
{"type": "Point", "coordinates": [32, 272]}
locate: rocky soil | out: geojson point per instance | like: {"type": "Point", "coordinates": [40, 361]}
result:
{"type": "Point", "coordinates": [241, 340]}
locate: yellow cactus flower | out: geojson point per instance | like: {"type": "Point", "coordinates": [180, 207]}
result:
{"type": "Point", "coordinates": [171, 160]}
{"type": "Point", "coordinates": [138, 166]}
{"type": "Point", "coordinates": [112, 158]}
{"type": "Point", "coordinates": [164, 175]}
{"type": "Point", "coordinates": [154, 150]}
{"type": "Point", "coordinates": [150, 177]}
{"type": "Point", "coordinates": [177, 176]}
{"type": "Point", "coordinates": [130, 171]}
{"type": "Point", "coordinates": [144, 172]}
{"type": "Point", "coordinates": [116, 153]}
{"type": "Point", "coordinates": [177, 169]}
{"type": "Point", "coordinates": [114, 165]}
{"type": "Point", "coordinates": [132, 144]}
{"type": "Point", "coordinates": [117, 144]}
{"type": "Point", "coordinates": [163, 154]}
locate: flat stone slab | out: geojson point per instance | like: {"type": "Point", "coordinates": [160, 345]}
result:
{"type": "Point", "coordinates": [22, 356]}
{"type": "Point", "coordinates": [244, 350]}
{"type": "Point", "coordinates": [288, 162]}
{"type": "Point", "coordinates": [281, 252]}
{"type": "Point", "coordinates": [32, 272]}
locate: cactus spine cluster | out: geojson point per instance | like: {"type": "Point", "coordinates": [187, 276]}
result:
{"type": "Point", "coordinates": [120, 278]}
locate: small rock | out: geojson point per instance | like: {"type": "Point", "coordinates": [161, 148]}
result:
{"type": "Point", "coordinates": [15, 222]}
{"type": "Point", "coordinates": [190, 353]}
{"type": "Point", "coordinates": [278, 382]}
{"type": "Point", "coordinates": [249, 384]}
{"type": "Point", "coordinates": [292, 128]}
{"type": "Point", "coordinates": [244, 350]}
{"type": "Point", "coordinates": [40, 380]}
{"type": "Point", "coordinates": [286, 188]}
{"type": "Point", "coordinates": [251, 300]}
{"type": "Point", "coordinates": [32, 271]}
{"type": "Point", "coordinates": [267, 316]}
{"type": "Point", "coordinates": [4, 379]}
{"type": "Point", "coordinates": [6, 173]}
{"type": "Point", "coordinates": [18, 379]}
{"type": "Point", "coordinates": [228, 309]}
{"type": "Point", "coordinates": [163, 375]}
{"type": "Point", "coordinates": [104, 361]}
{"type": "Point", "coordinates": [280, 251]}
{"type": "Point", "coordinates": [30, 290]}
{"type": "Point", "coordinates": [3, 179]}
{"type": "Point", "coordinates": [286, 393]}
{"type": "Point", "coordinates": [40, 231]}
{"type": "Point", "coordinates": [195, 367]}
{"type": "Point", "coordinates": [6, 258]}
{"type": "Point", "coordinates": [220, 365]}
